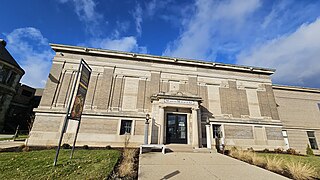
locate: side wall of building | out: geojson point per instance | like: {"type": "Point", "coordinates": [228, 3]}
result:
{"type": "Point", "coordinates": [299, 112]}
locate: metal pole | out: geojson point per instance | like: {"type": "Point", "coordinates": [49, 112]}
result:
{"type": "Point", "coordinates": [66, 118]}
{"type": "Point", "coordinates": [75, 139]}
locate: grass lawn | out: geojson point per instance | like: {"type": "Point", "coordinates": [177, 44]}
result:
{"type": "Point", "coordinates": [312, 160]}
{"type": "Point", "coordinates": [86, 164]}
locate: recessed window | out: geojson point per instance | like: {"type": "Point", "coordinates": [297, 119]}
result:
{"type": "Point", "coordinates": [319, 106]}
{"type": "Point", "coordinates": [26, 93]}
{"type": "Point", "coordinates": [4, 72]}
{"type": "Point", "coordinates": [217, 131]}
{"type": "Point", "coordinates": [125, 127]}
{"type": "Point", "coordinates": [312, 140]}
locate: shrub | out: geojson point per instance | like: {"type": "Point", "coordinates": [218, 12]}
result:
{"type": "Point", "coordinates": [298, 170]}
{"type": "Point", "coordinates": [108, 147]}
{"type": "Point", "coordinates": [250, 149]}
{"type": "Point", "coordinates": [309, 151]}
{"type": "Point", "coordinates": [274, 164]}
{"type": "Point", "coordinates": [266, 150]}
{"type": "Point", "coordinates": [279, 150]}
{"type": "Point", "coordinates": [126, 168]}
{"type": "Point", "coordinates": [292, 151]}
{"type": "Point", "coordinates": [85, 147]}
{"type": "Point", "coordinates": [21, 147]}
{"type": "Point", "coordinates": [26, 149]}
{"type": "Point", "coordinates": [66, 146]}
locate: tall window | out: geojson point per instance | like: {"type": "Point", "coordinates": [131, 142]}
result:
{"type": "Point", "coordinates": [125, 127]}
{"type": "Point", "coordinates": [312, 140]}
{"type": "Point", "coordinates": [216, 131]}
{"type": "Point", "coordinates": [4, 72]}
{"type": "Point", "coordinates": [319, 106]}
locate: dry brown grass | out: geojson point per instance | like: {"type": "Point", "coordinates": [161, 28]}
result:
{"type": "Point", "coordinates": [274, 164]}
{"type": "Point", "coordinates": [298, 170]}
{"type": "Point", "coordinates": [258, 161]}
{"type": "Point", "coordinates": [126, 168]}
{"type": "Point", "coordinates": [246, 156]}
{"type": "Point", "coordinates": [234, 152]}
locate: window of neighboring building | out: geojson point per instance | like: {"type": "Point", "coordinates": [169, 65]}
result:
{"type": "Point", "coordinates": [1, 97]}
{"type": "Point", "coordinates": [125, 127]}
{"type": "Point", "coordinates": [4, 72]}
{"type": "Point", "coordinates": [11, 78]}
{"type": "Point", "coordinates": [26, 93]}
{"type": "Point", "coordinates": [312, 140]}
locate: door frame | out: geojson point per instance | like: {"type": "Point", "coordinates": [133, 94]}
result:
{"type": "Point", "coordinates": [176, 121]}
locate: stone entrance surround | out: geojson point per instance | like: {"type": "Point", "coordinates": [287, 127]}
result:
{"type": "Point", "coordinates": [175, 103]}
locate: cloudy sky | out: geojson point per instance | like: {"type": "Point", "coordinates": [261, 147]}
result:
{"type": "Point", "coordinates": [280, 34]}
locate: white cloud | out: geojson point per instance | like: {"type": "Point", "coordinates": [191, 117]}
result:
{"type": "Point", "coordinates": [31, 50]}
{"type": "Point", "coordinates": [85, 10]}
{"type": "Point", "coordinates": [211, 19]}
{"type": "Point", "coordinates": [295, 56]}
{"type": "Point", "coordinates": [128, 44]}
{"type": "Point", "coordinates": [151, 7]}
{"type": "Point", "coordinates": [137, 15]}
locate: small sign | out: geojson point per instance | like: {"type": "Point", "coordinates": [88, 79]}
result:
{"type": "Point", "coordinates": [81, 93]}
{"type": "Point", "coordinates": [176, 101]}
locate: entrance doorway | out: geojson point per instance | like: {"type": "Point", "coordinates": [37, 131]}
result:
{"type": "Point", "coordinates": [176, 129]}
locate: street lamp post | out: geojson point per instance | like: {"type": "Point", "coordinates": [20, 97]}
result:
{"type": "Point", "coordinates": [146, 128]}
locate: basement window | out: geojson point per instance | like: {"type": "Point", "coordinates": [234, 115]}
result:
{"type": "Point", "coordinates": [312, 140]}
{"type": "Point", "coordinates": [125, 127]}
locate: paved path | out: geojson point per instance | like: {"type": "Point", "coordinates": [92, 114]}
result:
{"type": "Point", "coordinates": [184, 166]}
{"type": "Point", "coordinates": [10, 144]}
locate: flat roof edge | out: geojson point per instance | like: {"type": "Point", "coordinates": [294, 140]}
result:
{"type": "Point", "coordinates": [296, 88]}
{"type": "Point", "coordinates": [60, 47]}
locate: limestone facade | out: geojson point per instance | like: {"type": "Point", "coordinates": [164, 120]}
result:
{"type": "Point", "coordinates": [182, 97]}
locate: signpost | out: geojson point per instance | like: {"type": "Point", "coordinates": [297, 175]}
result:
{"type": "Point", "coordinates": [82, 83]}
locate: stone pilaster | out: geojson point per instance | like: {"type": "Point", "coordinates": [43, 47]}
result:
{"type": "Point", "coordinates": [195, 128]}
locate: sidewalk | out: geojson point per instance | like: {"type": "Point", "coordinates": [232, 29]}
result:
{"type": "Point", "coordinates": [178, 165]}
{"type": "Point", "coordinates": [10, 144]}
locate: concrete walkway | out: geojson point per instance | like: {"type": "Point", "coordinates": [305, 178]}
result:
{"type": "Point", "coordinates": [178, 165]}
{"type": "Point", "coordinates": [10, 144]}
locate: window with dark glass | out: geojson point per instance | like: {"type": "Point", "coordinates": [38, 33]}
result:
{"type": "Point", "coordinates": [125, 127]}
{"type": "Point", "coordinates": [312, 140]}
{"type": "Point", "coordinates": [26, 93]}
{"type": "Point", "coordinates": [216, 131]}
{"type": "Point", "coordinates": [319, 106]}
{"type": "Point", "coordinates": [11, 78]}
{"type": "Point", "coordinates": [4, 72]}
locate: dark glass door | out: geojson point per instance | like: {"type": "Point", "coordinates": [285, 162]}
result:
{"type": "Point", "coordinates": [176, 128]}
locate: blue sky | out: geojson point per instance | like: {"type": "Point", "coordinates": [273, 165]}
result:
{"type": "Point", "coordinates": [280, 34]}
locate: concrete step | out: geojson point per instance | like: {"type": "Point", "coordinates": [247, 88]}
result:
{"type": "Point", "coordinates": [187, 148]}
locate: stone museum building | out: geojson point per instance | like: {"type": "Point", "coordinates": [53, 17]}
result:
{"type": "Point", "coordinates": [190, 102]}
